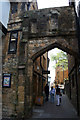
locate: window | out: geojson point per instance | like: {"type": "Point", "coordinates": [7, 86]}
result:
{"type": "Point", "coordinates": [13, 42]}
{"type": "Point", "coordinates": [14, 7]}
{"type": "Point", "coordinates": [54, 21]}
{"type": "Point", "coordinates": [23, 6]}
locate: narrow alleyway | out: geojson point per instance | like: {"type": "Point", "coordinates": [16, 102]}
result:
{"type": "Point", "coordinates": [50, 110]}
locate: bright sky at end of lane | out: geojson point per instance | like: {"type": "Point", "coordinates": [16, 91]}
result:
{"type": "Point", "coordinates": [52, 3]}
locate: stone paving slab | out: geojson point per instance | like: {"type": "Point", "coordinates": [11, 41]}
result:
{"type": "Point", "coordinates": [50, 110]}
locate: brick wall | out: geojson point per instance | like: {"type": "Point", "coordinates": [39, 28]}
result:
{"type": "Point", "coordinates": [61, 75]}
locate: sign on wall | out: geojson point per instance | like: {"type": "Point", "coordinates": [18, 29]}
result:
{"type": "Point", "coordinates": [6, 82]}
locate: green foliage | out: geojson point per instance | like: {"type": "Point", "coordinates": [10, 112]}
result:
{"type": "Point", "coordinates": [61, 60]}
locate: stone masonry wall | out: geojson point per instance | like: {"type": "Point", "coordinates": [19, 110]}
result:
{"type": "Point", "coordinates": [42, 30]}
{"type": "Point", "coordinates": [43, 34]}
{"type": "Point", "coordinates": [13, 97]}
{"type": "Point", "coordinates": [74, 82]}
{"type": "Point", "coordinates": [45, 29]}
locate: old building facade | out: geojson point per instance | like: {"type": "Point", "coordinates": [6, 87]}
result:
{"type": "Point", "coordinates": [72, 86]}
{"type": "Point", "coordinates": [3, 32]}
{"type": "Point", "coordinates": [13, 64]}
{"type": "Point", "coordinates": [39, 78]}
{"type": "Point", "coordinates": [30, 35]}
{"type": "Point", "coordinates": [60, 75]}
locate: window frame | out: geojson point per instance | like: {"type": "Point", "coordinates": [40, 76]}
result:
{"type": "Point", "coordinates": [13, 52]}
{"type": "Point", "coordinates": [23, 6]}
{"type": "Point", "coordinates": [14, 8]}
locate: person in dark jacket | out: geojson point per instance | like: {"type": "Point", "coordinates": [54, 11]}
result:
{"type": "Point", "coordinates": [58, 95]}
{"type": "Point", "coordinates": [47, 91]}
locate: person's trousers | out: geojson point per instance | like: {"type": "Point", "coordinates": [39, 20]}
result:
{"type": "Point", "coordinates": [58, 100]}
{"type": "Point", "coordinates": [47, 97]}
{"type": "Point", "coordinates": [52, 98]}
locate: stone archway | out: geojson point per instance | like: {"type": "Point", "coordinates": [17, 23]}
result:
{"type": "Point", "coordinates": [48, 28]}
{"type": "Point", "coordinates": [52, 46]}
{"type": "Point", "coordinates": [43, 30]}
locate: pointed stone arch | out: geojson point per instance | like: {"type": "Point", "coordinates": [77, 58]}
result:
{"type": "Point", "coordinates": [46, 29]}
{"type": "Point", "coordinates": [52, 46]}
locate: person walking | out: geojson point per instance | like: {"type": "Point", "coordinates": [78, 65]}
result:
{"type": "Point", "coordinates": [47, 91]}
{"type": "Point", "coordinates": [58, 95]}
{"type": "Point", "coordinates": [52, 93]}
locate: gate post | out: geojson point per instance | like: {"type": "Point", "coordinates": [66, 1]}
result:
{"type": "Point", "coordinates": [28, 69]}
{"type": "Point", "coordinates": [28, 88]}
